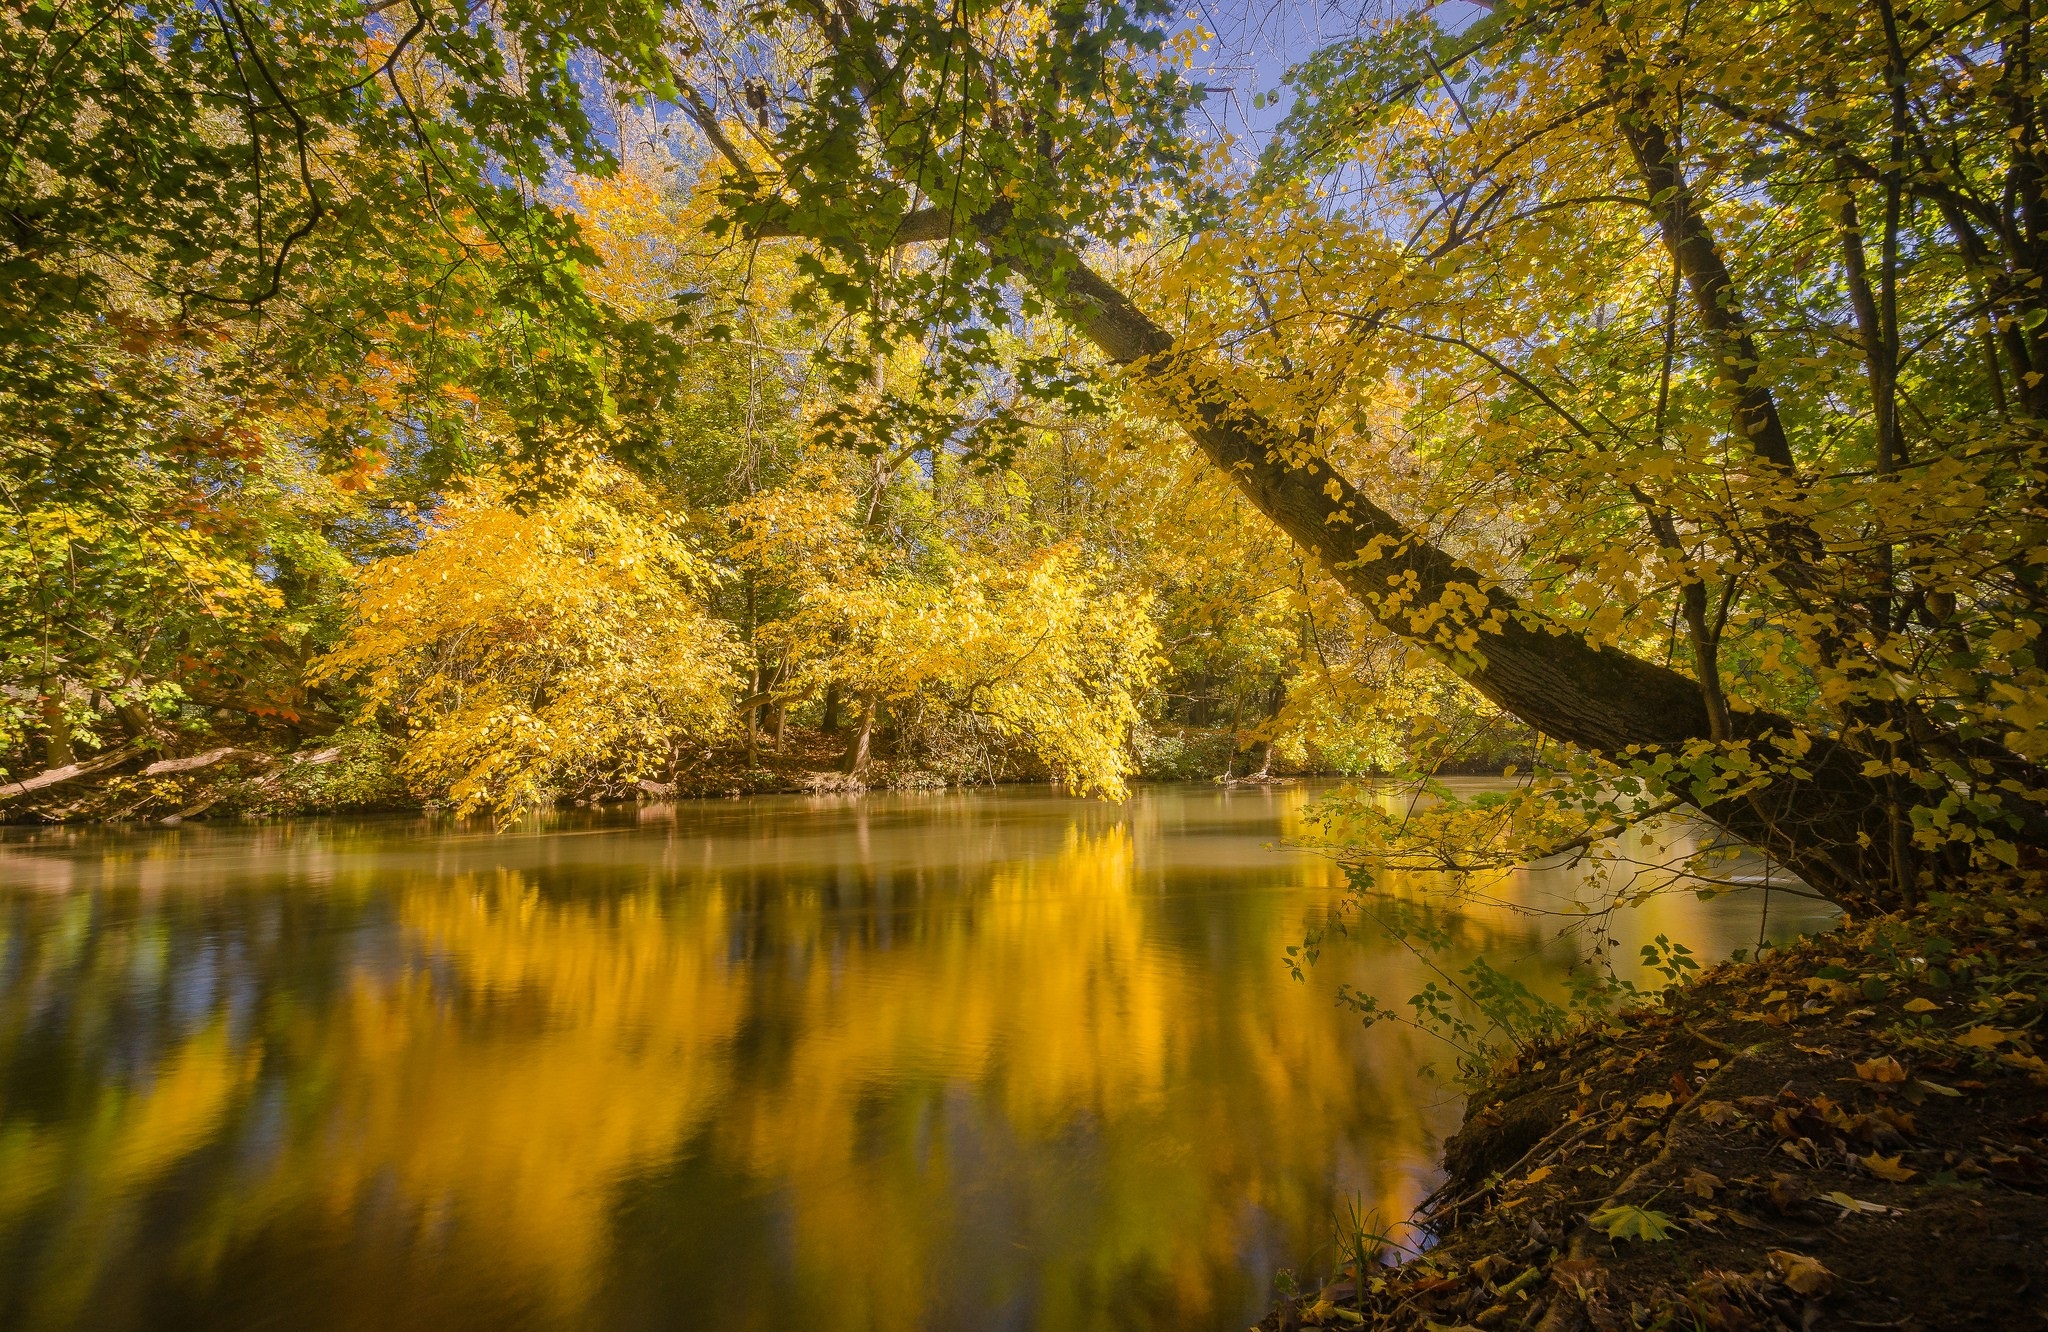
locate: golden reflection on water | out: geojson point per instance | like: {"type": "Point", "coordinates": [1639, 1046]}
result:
{"type": "Point", "coordinates": [989, 1060]}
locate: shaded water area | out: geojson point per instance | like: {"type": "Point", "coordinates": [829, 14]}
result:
{"type": "Point", "coordinates": [988, 1060]}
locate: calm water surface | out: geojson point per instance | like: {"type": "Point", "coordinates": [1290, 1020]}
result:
{"type": "Point", "coordinates": [987, 1061]}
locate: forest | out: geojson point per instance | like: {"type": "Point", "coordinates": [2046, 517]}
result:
{"type": "Point", "coordinates": [512, 405]}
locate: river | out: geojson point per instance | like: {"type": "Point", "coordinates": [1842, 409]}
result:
{"type": "Point", "coordinates": [980, 1061]}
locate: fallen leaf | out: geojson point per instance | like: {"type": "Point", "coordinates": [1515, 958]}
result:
{"type": "Point", "coordinates": [1654, 1101]}
{"type": "Point", "coordinates": [1806, 1276]}
{"type": "Point", "coordinates": [1538, 1175]}
{"type": "Point", "coordinates": [1857, 1205]}
{"type": "Point", "coordinates": [1701, 1184]}
{"type": "Point", "coordinates": [1707, 1065]}
{"type": "Point", "coordinates": [1937, 1088]}
{"type": "Point", "coordinates": [1921, 1006]}
{"type": "Point", "coordinates": [1887, 1167]}
{"type": "Point", "coordinates": [1633, 1223]}
{"type": "Point", "coordinates": [1718, 1113]}
{"type": "Point", "coordinates": [1981, 1038]}
{"type": "Point", "coordinates": [1787, 1192]}
{"type": "Point", "coordinates": [1884, 1068]}
{"type": "Point", "coordinates": [1776, 997]}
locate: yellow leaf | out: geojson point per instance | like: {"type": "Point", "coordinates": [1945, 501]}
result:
{"type": "Point", "coordinates": [1921, 1006]}
{"type": "Point", "coordinates": [1884, 1068]}
{"type": "Point", "coordinates": [1806, 1276]}
{"type": "Point", "coordinates": [1981, 1038]}
{"type": "Point", "coordinates": [1887, 1167]}
{"type": "Point", "coordinates": [1655, 1101]}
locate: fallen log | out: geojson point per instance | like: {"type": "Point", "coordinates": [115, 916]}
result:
{"type": "Point", "coordinates": [70, 772]}
{"type": "Point", "coordinates": [194, 762]}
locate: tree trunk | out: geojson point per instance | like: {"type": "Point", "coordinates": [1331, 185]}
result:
{"type": "Point", "coordinates": [857, 749]}
{"type": "Point", "coordinates": [57, 750]}
{"type": "Point", "coordinates": [829, 722]}
{"type": "Point", "coordinates": [1829, 826]}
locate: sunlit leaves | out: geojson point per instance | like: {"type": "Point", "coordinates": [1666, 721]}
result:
{"type": "Point", "coordinates": [533, 655]}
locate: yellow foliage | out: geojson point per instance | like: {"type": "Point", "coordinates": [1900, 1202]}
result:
{"type": "Point", "coordinates": [535, 653]}
{"type": "Point", "coordinates": [1034, 648]}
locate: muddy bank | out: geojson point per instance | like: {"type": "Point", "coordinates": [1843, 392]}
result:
{"type": "Point", "coordinates": [1845, 1134]}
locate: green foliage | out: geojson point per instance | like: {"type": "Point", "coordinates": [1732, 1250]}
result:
{"type": "Point", "coordinates": [365, 776]}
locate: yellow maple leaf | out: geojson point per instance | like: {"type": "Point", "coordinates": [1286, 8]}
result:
{"type": "Point", "coordinates": [1887, 1167]}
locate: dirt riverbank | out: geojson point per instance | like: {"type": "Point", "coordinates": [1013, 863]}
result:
{"type": "Point", "coordinates": [1848, 1133]}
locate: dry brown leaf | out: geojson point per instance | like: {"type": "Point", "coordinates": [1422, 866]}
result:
{"type": "Point", "coordinates": [1701, 1184]}
{"type": "Point", "coordinates": [1884, 1068]}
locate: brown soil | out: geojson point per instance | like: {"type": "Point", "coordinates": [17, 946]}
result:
{"type": "Point", "coordinates": [1846, 1134]}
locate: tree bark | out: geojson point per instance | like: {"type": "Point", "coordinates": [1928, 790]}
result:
{"type": "Point", "coordinates": [57, 750]}
{"type": "Point", "coordinates": [857, 749]}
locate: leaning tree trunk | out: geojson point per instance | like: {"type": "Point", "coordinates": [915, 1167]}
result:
{"type": "Point", "coordinates": [1829, 826]}
{"type": "Point", "coordinates": [1822, 817]}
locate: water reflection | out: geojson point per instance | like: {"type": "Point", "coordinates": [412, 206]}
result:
{"type": "Point", "coordinates": [1007, 1061]}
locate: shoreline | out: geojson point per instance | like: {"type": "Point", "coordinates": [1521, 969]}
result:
{"type": "Point", "coordinates": [1848, 1132]}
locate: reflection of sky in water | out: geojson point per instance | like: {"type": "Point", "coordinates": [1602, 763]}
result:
{"type": "Point", "coordinates": [991, 1061]}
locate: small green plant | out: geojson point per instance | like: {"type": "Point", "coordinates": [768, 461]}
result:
{"type": "Point", "coordinates": [1364, 1238]}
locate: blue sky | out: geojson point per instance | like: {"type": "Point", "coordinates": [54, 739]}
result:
{"type": "Point", "coordinates": [1257, 41]}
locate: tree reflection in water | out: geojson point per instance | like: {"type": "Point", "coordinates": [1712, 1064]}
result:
{"type": "Point", "coordinates": [980, 1060]}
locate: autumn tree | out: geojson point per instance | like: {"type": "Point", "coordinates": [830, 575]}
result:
{"type": "Point", "coordinates": [560, 651]}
